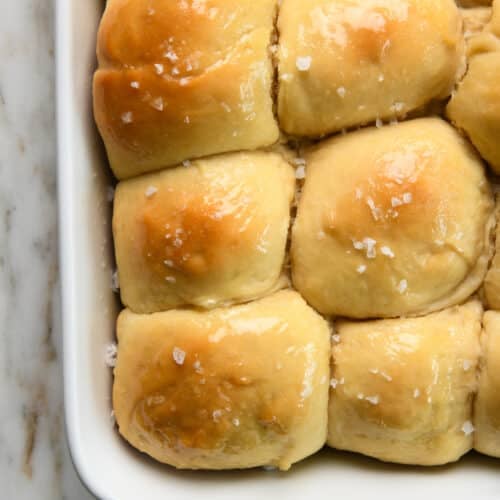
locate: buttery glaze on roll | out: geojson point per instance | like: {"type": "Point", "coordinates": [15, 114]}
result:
{"type": "Point", "coordinates": [205, 234]}
{"type": "Point", "coordinates": [402, 389]}
{"type": "Point", "coordinates": [475, 106]}
{"type": "Point", "coordinates": [182, 79]}
{"type": "Point", "coordinates": [343, 63]}
{"type": "Point", "coordinates": [487, 404]}
{"type": "Point", "coordinates": [392, 221]}
{"type": "Point", "coordinates": [232, 388]}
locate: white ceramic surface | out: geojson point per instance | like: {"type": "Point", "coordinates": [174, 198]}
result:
{"type": "Point", "coordinates": [110, 468]}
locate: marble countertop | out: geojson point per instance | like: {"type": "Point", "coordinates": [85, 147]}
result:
{"type": "Point", "coordinates": [34, 458]}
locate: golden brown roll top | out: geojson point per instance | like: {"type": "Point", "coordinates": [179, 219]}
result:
{"type": "Point", "coordinates": [231, 388]}
{"type": "Point", "coordinates": [392, 221]}
{"type": "Point", "coordinates": [183, 79]}
{"type": "Point", "coordinates": [205, 234]}
{"type": "Point", "coordinates": [344, 63]}
{"type": "Point", "coordinates": [475, 106]}
{"type": "Point", "coordinates": [487, 405]}
{"type": "Point", "coordinates": [402, 389]}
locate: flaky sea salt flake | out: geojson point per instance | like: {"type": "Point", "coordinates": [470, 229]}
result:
{"type": "Point", "coordinates": [407, 198]}
{"type": "Point", "coordinates": [299, 162]}
{"type": "Point", "coordinates": [303, 63]}
{"type": "Point", "coordinates": [127, 117]}
{"type": "Point", "coordinates": [370, 247]}
{"type": "Point", "coordinates": [300, 173]}
{"type": "Point", "coordinates": [171, 56]}
{"type": "Point", "coordinates": [150, 191]}
{"type": "Point", "coordinates": [179, 355]}
{"type": "Point", "coordinates": [110, 354]}
{"type": "Point", "coordinates": [216, 414]}
{"type": "Point", "coordinates": [374, 400]}
{"type": "Point", "coordinates": [157, 104]}
{"type": "Point", "coordinates": [385, 250]}
{"type": "Point", "coordinates": [468, 428]}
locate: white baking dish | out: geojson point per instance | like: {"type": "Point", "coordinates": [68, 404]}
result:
{"type": "Point", "coordinates": [110, 468]}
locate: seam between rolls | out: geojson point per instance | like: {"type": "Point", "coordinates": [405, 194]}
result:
{"type": "Point", "coordinates": [493, 237]}
{"type": "Point", "coordinates": [461, 75]}
{"type": "Point", "coordinates": [481, 365]}
{"type": "Point", "coordinates": [273, 50]}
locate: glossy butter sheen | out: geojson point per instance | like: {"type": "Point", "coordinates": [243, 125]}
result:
{"type": "Point", "coordinates": [232, 388]}
{"type": "Point", "coordinates": [392, 221]}
{"type": "Point", "coordinates": [183, 79]}
{"type": "Point", "coordinates": [402, 389]}
{"type": "Point", "coordinates": [366, 60]}
{"type": "Point", "coordinates": [209, 233]}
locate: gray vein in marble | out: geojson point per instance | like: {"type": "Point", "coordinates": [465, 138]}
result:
{"type": "Point", "coordinates": [34, 459]}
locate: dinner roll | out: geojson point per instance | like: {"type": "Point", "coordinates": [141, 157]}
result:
{"type": "Point", "coordinates": [347, 62]}
{"type": "Point", "coordinates": [392, 221]}
{"type": "Point", "coordinates": [487, 405]}
{"type": "Point", "coordinates": [402, 389]}
{"type": "Point", "coordinates": [204, 234]}
{"type": "Point", "coordinates": [231, 388]}
{"type": "Point", "coordinates": [475, 107]}
{"type": "Point", "coordinates": [491, 284]}
{"type": "Point", "coordinates": [183, 79]}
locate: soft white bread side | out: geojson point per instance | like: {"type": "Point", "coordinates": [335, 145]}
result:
{"type": "Point", "coordinates": [232, 388]}
{"type": "Point", "coordinates": [402, 389]}
{"type": "Point", "coordinates": [183, 79]}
